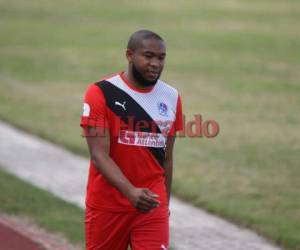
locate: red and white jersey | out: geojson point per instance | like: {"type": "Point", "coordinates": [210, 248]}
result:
{"type": "Point", "coordinates": [139, 123]}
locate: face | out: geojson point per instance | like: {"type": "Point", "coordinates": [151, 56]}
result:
{"type": "Point", "coordinates": [147, 61]}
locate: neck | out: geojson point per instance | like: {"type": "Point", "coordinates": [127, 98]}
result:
{"type": "Point", "coordinates": [128, 74]}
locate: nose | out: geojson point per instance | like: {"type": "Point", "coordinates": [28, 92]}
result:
{"type": "Point", "coordinates": [155, 63]}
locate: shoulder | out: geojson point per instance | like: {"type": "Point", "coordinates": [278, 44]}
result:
{"type": "Point", "coordinates": [167, 89]}
{"type": "Point", "coordinates": [92, 91]}
{"type": "Point", "coordinates": [95, 87]}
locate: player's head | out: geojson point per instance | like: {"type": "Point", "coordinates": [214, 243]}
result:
{"type": "Point", "coordinates": [146, 53]}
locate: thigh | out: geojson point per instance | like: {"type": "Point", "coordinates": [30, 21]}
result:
{"type": "Point", "coordinates": [105, 230]}
{"type": "Point", "coordinates": [151, 231]}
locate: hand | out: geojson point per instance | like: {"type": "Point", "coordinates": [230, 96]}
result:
{"type": "Point", "coordinates": [143, 199]}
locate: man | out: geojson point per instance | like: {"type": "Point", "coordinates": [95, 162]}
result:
{"type": "Point", "coordinates": [130, 120]}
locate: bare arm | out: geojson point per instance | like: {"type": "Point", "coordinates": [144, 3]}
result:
{"type": "Point", "coordinates": [168, 164]}
{"type": "Point", "coordinates": [141, 198]}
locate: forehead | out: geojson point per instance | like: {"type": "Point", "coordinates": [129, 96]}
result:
{"type": "Point", "coordinates": [152, 45]}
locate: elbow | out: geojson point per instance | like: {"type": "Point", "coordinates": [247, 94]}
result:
{"type": "Point", "coordinates": [94, 161]}
{"type": "Point", "coordinates": [93, 157]}
{"type": "Point", "coordinates": [169, 159]}
{"type": "Point", "coordinates": [168, 163]}
{"type": "Point", "coordinates": [97, 157]}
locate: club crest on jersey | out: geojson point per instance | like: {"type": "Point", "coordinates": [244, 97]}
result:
{"type": "Point", "coordinates": [162, 109]}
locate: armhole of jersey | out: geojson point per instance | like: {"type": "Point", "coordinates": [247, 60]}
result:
{"type": "Point", "coordinates": [94, 118]}
{"type": "Point", "coordinates": [179, 115]}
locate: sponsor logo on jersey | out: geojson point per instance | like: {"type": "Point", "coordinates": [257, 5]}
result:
{"type": "Point", "coordinates": [144, 139]}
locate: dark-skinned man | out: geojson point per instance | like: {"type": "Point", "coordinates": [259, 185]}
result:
{"type": "Point", "coordinates": [130, 120]}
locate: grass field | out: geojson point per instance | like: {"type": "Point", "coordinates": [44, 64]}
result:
{"type": "Point", "coordinates": [234, 61]}
{"type": "Point", "coordinates": [48, 211]}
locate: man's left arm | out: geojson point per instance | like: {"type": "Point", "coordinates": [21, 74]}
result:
{"type": "Point", "coordinates": [168, 164]}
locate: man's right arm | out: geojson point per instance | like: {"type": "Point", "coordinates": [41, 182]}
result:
{"type": "Point", "coordinates": [141, 198]}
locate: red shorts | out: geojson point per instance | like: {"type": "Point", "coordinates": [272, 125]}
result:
{"type": "Point", "coordinates": [109, 230]}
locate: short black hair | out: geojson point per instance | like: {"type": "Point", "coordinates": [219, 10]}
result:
{"type": "Point", "coordinates": [140, 35]}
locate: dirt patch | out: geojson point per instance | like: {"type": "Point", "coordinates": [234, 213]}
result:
{"type": "Point", "coordinates": [25, 231]}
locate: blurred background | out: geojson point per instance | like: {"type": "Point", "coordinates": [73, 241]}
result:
{"type": "Point", "coordinates": [234, 61]}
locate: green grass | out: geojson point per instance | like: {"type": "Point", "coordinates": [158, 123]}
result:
{"type": "Point", "coordinates": [233, 61]}
{"type": "Point", "coordinates": [20, 198]}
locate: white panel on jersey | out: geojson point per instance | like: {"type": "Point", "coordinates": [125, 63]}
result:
{"type": "Point", "coordinates": [160, 103]}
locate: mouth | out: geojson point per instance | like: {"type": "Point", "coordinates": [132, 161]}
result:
{"type": "Point", "coordinates": [152, 74]}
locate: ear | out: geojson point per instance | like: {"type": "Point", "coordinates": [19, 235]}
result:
{"type": "Point", "coordinates": [129, 55]}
